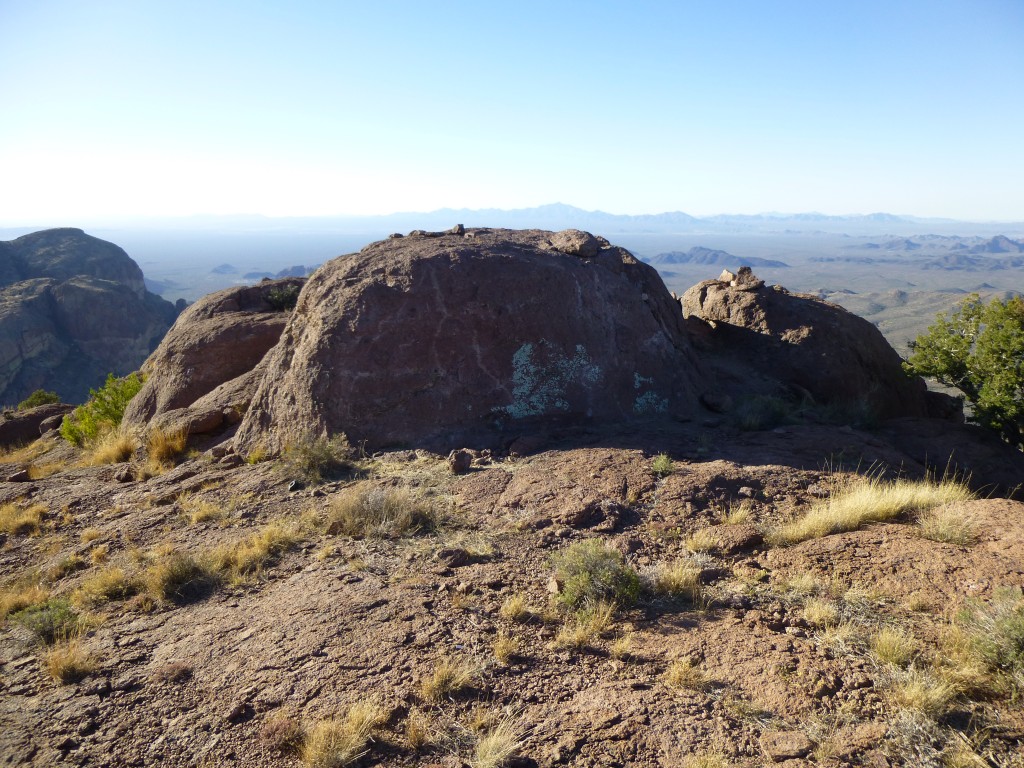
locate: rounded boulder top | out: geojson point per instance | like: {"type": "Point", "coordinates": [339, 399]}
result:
{"type": "Point", "coordinates": [435, 338]}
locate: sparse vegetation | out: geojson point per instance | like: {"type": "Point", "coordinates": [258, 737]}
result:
{"type": "Point", "coordinates": [21, 594]}
{"type": "Point", "coordinates": [383, 512]}
{"type": "Point", "coordinates": [177, 576]}
{"type": "Point", "coordinates": [67, 661]}
{"type": "Point", "coordinates": [950, 524]}
{"type": "Point", "coordinates": [50, 621]}
{"type": "Point", "coordinates": [450, 676]}
{"type": "Point", "coordinates": [111, 446]}
{"type": "Point", "coordinates": [759, 412]}
{"type": "Point", "coordinates": [736, 513]}
{"type": "Point", "coordinates": [506, 647]}
{"type": "Point", "coordinates": [418, 733]}
{"type": "Point", "coordinates": [663, 466]}
{"type": "Point", "coordinates": [703, 540]}
{"type": "Point", "coordinates": [707, 759]}
{"type": "Point", "coordinates": [108, 584]}
{"type": "Point", "coordinates": [996, 632]}
{"type": "Point", "coordinates": [497, 744]}
{"type": "Point", "coordinates": [857, 502]}
{"type": "Point", "coordinates": [245, 559]}
{"type": "Point", "coordinates": [37, 398]}
{"type": "Point", "coordinates": [164, 446]}
{"type": "Point", "coordinates": [283, 298]}
{"type": "Point", "coordinates": [679, 579]}
{"type": "Point", "coordinates": [339, 741]}
{"type": "Point", "coordinates": [20, 520]}
{"type": "Point", "coordinates": [315, 459]}
{"type": "Point", "coordinates": [516, 608]}
{"type": "Point", "coordinates": [821, 613]}
{"type": "Point", "coordinates": [282, 732]}
{"type": "Point", "coordinates": [103, 412]}
{"type": "Point", "coordinates": [684, 674]}
{"type": "Point", "coordinates": [581, 629]}
{"type": "Point", "coordinates": [198, 510]}
{"type": "Point", "coordinates": [923, 692]}
{"type": "Point", "coordinates": [894, 647]}
{"type": "Point", "coordinates": [591, 572]}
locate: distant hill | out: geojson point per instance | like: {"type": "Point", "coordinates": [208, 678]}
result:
{"type": "Point", "coordinates": [73, 308]}
{"type": "Point", "coordinates": [702, 255]}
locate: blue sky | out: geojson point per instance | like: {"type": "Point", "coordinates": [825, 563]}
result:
{"type": "Point", "coordinates": [135, 108]}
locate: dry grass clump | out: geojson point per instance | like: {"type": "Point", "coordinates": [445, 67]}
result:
{"type": "Point", "coordinates": [859, 501]}
{"type": "Point", "coordinates": [450, 676]}
{"type": "Point", "coordinates": [497, 744]}
{"type": "Point", "coordinates": [950, 524]}
{"type": "Point", "coordinates": [315, 459]}
{"type": "Point", "coordinates": [20, 520]}
{"type": "Point", "coordinates": [45, 469]}
{"type": "Point", "coordinates": [384, 512]}
{"type": "Point", "coordinates": [197, 510]}
{"type": "Point", "coordinates": [923, 692]}
{"type": "Point", "coordinates": [684, 674]}
{"type": "Point", "coordinates": [282, 732]}
{"type": "Point", "coordinates": [245, 559]}
{"type": "Point", "coordinates": [736, 514]}
{"type": "Point", "coordinates": [67, 661]}
{"type": "Point", "coordinates": [506, 647]}
{"type": "Point", "coordinates": [178, 576]}
{"type": "Point", "coordinates": [894, 647]}
{"type": "Point", "coordinates": [21, 594]}
{"type": "Point", "coordinates": [703, 540]}
{"type": "Point", "coordinates": [585, 626]}
{"type": "Point", "coordinates": [803, 584]}
{"type": "Point", "coordinates": [339, 741]}
{"type": "Point", "coordinates": [680, 579]}
{"type": "Point", "coordinates": [418, 731]}
{"type": "Point", "coordinates": [89, 535]}
{"type": "Point", "coordinates": [112, 447]}
{"type": "Point", "coordinates": [50, 621]}
{"type": "Point", "coordinates": [164, 446]}
{"type": "Point", "coordinates": [995, 632]}
{"type": "Point", "coordinates": [516, 608]}
{"type": "Point", "coordinates": [821, 613]}
{"type": "Point", "coordinates": [108, 584]}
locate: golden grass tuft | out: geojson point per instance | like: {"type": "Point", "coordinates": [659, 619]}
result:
{"type": "Point", "coordinates": [20, 520]}
{"type": "Point", "coordinates": [581, 629]}
{"type": "Point", "coordinates": [736, 514]}
{"type": "Point", "coordinates": [21, 594]}
{"type": "Point", "coordinates": [894, 647]}
{"type": "Point", "coordinates": [67, 661]}
{"type": "Point", "coordinates": [197, 510]}
{"type": "Point", "coordinates": [677, 579]}
{"type": "Point", "coordinates": [113, 447]}
{"type": "Point", "coordinates": [383, 512]}
{"type": "Point", "coordinates": [89, 535]}
{"type": "Point", "coordinates": [176, 575]}
{"type": "Point", "coordinates": [923, 692]}
{"type": "Point", "coordinates": [703, 540]}
{"type": "Point", "coordinates": [497, 744]}
{"type": "Point", "coordinates": [108, 584]}
{"type": "Point", "coordinates": [685, 675]}
{"type": "Point", "coordinates": [164, 446]}
{"type": "Point", "coordinates": [506, 647]}
{"type": "Point", "coordinates": [622, 647]}
{"type": "Point", "coordinates": [245, 559]}
{"type": "Point", "coordinates": [418, 731]}
{"type": "Point", "coordinates": [450, 676]}
{"type": "Point", "coordinates": [45, 469]}
{"type": "Point", "coordinates": [337, 742]}
{"type": "Point", "coordinates": [821, 613]}
{"type": "Point", "coordinates": [949, 524]}
{"type": "Point", "coordinates": [516, 608]}
{"type": "Point", "coordinates": [856, 502]}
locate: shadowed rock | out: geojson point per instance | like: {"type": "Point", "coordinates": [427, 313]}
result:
{"type": "Point", "coordinates": [437, 337]}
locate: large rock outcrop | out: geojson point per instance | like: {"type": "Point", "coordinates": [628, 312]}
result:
{"type": "Point", "coordinates": [439, 337]}
{"type": "Point", "coordinates": [766, 340]}
{"type": "Point", "coordinates": [73, 308]}
{"type": "Point", "coordinates": [204, 373]}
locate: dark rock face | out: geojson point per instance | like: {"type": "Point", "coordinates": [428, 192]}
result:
{"type": "Point", "coordinates": [203, 369]}
{"type": "Point", "coordinates": [20, 427]}
{"type": "Point", "coordinates": [764, 337]}
{"type": "Point", "coordinates": [436, 337]}
{"type": "Point", "coordinates": [72, 309]}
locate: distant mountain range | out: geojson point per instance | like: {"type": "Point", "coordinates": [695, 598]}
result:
{"type": "Point", "coordinates": [702, 255]}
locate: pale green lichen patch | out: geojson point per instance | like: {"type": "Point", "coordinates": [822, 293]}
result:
{"type": "Point", "coordinates": [647, 402]}
{"type": "Point", "coordinates": [541, 375]}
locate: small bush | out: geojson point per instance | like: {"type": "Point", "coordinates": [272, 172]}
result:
{"type": "Point", "coordinates": [684, 674]}
{"type": "Point", "coordinates": [340, 741]}
{"type": "Point", "coordinates": [103, 412]}
{"type": "Point", "coordinates": [18, 520]}
{"type": "Point", "coordinates": [315, 459]}
{"type": "Point", "coordinates": [760, 412]}
{"type": "Point", "coordinates": [37, 398]}
{"type": "Point", "coordinates": [663, 466]}
{"type": "Point", "coordinates": [383, 513]}
{"type": "Point", "coordinates": [68, 662]}
{"type": "Point", "coordinates": [450, 676]}
{"type": "Point", "coordinates": [283, 298]}
{"type": "Point", "coordinates": [591, 572]}
{"type": "Point", "coordinates": [51, 621]}
{"type": "Point", "coordinates": [997, 634]}
{"type": "Point", "coordinates": [858, 502]}
{"type": "Point", "coordinates": [282, 733]}
{"type": "Point", "coordinates": [891, 646]}
{"type": "Point", "coordinates": [177, 576]}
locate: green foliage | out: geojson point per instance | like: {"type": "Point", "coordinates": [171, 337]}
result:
{"type": "Point", "coordinates": [663, 466]}
{"type": "Point", "coordinates": [103, 412]}
{"type": "Point", "coordinates": [37, 398]}
{"type": "Point", "coordinates": [979, 349]}
{"type": "Point", "coordinates": [283, 298]}
{"type": "Point", "coordinates": [51, 621]}
{"type": "Point", "coordinates": [998, 631]}
{"type": "Point", "coordinates": [590, 571]}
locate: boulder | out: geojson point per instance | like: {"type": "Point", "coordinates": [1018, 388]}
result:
{"type": "Point", "coordinates": [764, 339]}
{"type": "Point", "coordinates": [435, 338]}
{"type": "Point", "coordinates": [20, 427]}
{"type": "Point", "coordinates": [204, 366]}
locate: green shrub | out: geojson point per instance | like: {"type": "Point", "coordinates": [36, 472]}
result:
{"type": "Point", "coordinates": [590, 571]}
{"type": "Point", "coordinates": [284, 297]}
{"type": "Point", "coordinates": [760, 412]}
{"type": "Point", "coordinates": [663, 466]}
{"type": "Point", "coordinates": [998, 632]}
{"type": "Point", "coordinates": [103, 412]}
{"type": "Point", "coordinates": [51, 621]}
{"type": "Point", "coordinates": [979, 349]}
{"type": "Point", "coordinates": [37, 398]}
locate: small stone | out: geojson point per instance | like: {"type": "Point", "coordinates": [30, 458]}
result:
{"type": "Point", "coordinates": [460, 461]}
{"type": "Point", "coordinates": [21, 476]}
{"type": "Point", "coordinates": [554, 586]}
{"type": "Point", "coordinates": [785, 745]}
{"type": "Point", "coordinates": [231, 460]}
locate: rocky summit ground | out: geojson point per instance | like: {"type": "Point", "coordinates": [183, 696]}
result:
{"type": "Point", "coordinates": [217, 612]}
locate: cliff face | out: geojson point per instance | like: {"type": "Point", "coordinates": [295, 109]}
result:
{"type": "Point", "coordinates": [72, 309]}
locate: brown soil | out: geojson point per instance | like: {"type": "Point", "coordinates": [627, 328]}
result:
{"type": "Point", "coordinates": [338, 620]}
